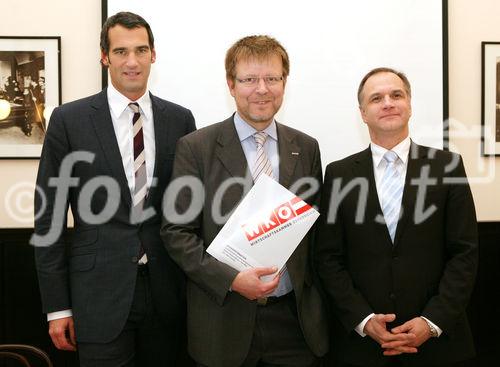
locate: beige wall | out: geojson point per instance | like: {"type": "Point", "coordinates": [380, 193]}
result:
{"type": "Point", "coordinates": [78, 23]}
{"type": "Point", "coordinates": [470, 23]}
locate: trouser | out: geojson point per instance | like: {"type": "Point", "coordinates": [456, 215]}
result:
{"type": "Point", "coordinates": [144, 340]}
{"type": "Point", "coordinates": [277, 338]}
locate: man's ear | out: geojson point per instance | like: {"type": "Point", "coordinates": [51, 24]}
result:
{"type": "Point", "coordinates": [230, 84]}
{"type": "Point", "coordinates": [104, 59]}
{"type": "Point", "coordinates": [153, 56]}
{"type": "Point", "coordinates": [362, 112]}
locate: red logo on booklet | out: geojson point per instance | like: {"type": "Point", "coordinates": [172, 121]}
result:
{"type": "Point", "coordinates": [277, 217]}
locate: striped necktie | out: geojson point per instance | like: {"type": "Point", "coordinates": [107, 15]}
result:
{"type": "Point", "coordinates": [262, 163]}
{"type": "Point", "coordinates": [391, 192]}
{"type": "Point", "coordinates": [140, 186]}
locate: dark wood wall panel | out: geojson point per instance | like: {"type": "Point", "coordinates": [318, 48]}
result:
{"type": "Point", "coordinates": [22, 321]}
{"type": "Point", "coordinates": [484, 306]}
{"type": "Point", "coordinates": [21, 318]}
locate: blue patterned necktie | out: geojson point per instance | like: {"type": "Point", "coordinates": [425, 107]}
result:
{"type": "Point", "coordinates": [262, 163]}
{"type": "Point", "coordinates": [391, 192]}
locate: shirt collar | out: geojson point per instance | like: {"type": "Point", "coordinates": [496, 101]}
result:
{"type": "Point", "coordinates": [118, 103]}
{"type": "Point", "coordinates": [402, 150]}
{"type": "Point", "coordinates": [245, 130]}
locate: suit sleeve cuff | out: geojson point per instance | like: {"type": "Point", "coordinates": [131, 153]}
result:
{"type": "Point", "coordinates": [59, 315]}
{"type": "Point", "coordinates": [361, 326]}
{"type": "Point", "coordinates": [438, 329]}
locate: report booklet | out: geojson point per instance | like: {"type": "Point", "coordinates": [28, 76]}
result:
{"type": "Point", "coordinates": [265, 228]}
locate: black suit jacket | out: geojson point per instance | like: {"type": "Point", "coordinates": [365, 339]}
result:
{"type": "Point", "coordinates": [221, 322]}
{"type": "Point", "coordinates": [94, 273]}
{"type": "Point", "coordinates": [429, 271]}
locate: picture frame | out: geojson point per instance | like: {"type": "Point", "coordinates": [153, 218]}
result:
{"type": "Point", "coordinates": [490, 99]}
{"type": "Point", "coordinates": [30, 89]}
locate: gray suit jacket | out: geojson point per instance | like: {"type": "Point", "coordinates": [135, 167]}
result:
{"type": "Point", "coordinates": [221, 322]}
{"type": "Point", "coordinates": [94, 272]}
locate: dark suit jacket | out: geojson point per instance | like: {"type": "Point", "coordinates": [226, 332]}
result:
{"type": "Point", "coordinates": [429, 271]}
{"type": "Point", "coordinates": [94, 274]}
{"type": "Point", "coordinates": [220, 322]}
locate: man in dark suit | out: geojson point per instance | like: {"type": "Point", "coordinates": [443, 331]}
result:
{"type": "Point", "coordinates": [235, 318]}
{"type": "Point", "coordinates": [111, 291]}
{"type": "Point", "coordinates": [397, 244]}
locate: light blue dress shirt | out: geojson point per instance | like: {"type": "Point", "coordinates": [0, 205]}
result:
{"type": "Point", "coordinates": [245, 134]}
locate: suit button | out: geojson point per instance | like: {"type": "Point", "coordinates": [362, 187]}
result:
{"type": "Point", "coordinates": [392, 296]}
{"type": "Point", "coordinates": [135, 259]}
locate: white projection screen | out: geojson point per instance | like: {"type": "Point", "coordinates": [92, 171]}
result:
{"type": "Point", "coordinates": [331, 44]}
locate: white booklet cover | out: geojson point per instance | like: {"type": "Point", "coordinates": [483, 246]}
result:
{"type": "Point", "coordinates": [265, 228]}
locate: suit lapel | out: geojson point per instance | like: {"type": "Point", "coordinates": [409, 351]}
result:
{"type": "Point", "coordinates": [229, 150]}
{"type": "Point", "coordinates": [289, 153]}
{"type": "Point", "coordinates": [103, 125]}
{"type": "Point", "coordinates": [415, 159]}
{"type": "Point", "coordinates": [364, 168]}
{"type": "Point", "coordinates": [231, 155]}
{"type": "Point", "coordinates": [160, 121]}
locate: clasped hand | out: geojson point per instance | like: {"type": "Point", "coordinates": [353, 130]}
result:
{"type": "Point", "coordinates": [405, 338]}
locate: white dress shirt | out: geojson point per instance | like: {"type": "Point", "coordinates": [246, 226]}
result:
{"type": "Point", "coordinates": [121, 116]}
{"type": "Point", "coordinates": [379, 166]}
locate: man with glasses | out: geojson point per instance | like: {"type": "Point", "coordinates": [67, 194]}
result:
{"type": "Point", "coordinates": [234, 318]}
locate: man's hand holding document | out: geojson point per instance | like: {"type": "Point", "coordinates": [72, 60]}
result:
{"type": "Point", "coordinates": [265, 228]}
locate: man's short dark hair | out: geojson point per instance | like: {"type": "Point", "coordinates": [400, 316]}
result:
{"type": "Point", "coordinates": [372, 72]}
{"type": "Point", "coordinates": [128, 20]}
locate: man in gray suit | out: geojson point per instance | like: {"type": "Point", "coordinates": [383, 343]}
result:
{"type": "Point", "coordinates": [234, 318]}
{"type": "Point", "coordinates": [111, 291]}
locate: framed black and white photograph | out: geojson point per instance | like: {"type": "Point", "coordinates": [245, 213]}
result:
{"type": "Point", "coordinates": [491, 98]}
{"type": "Point", "coordinates": [30, 88]}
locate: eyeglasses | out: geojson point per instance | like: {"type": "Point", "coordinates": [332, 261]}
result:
{"type": "Point", "coordinates": [254, 81]}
